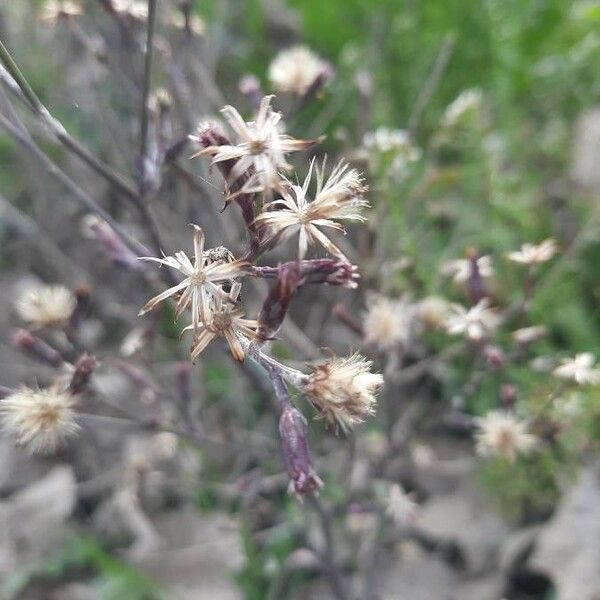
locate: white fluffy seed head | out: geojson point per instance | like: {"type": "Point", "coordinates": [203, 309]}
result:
{"type": "Point", "coordinates": [294, 70]}
{"type": "Point", "coordinates": [387, 323]}
{"type": "Point", "coordinates": [500, 433]}
{"type": "Point", "coordinates": [39, 419]}
{"type": "Point", "coordinates": [343, 390]}
{"type": "Point", "coordinates": [46, 305]}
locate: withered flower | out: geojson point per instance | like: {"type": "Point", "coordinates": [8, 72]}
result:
{"type": "Point", "coordinates": [46, 306]}
{"type": "Point", "coordinates": [203, 280]}
{"type": "Point", "coordinates": [226, 320]}
{"type": "Point", "coordinates": [261, 146]}
{"type": "Point", "coordinates": [338, 198]}
{"type": "Point", "coordinates": [39, 419]}
{"type": "Point", "coordinates": [343, 390]}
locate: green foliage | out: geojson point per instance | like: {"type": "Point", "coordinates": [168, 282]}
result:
{"type": "Point", "coordinates": [526, 490]}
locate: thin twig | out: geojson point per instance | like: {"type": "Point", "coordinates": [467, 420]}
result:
{"type": "Point", "coordinates": [145, 92]}
{"type": "Point", "coordinates": [439, 66]}
{"type": "Point", "coordinates": [78, 193]}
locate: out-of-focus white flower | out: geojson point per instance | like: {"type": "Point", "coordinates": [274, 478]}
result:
{"type": "Point", "coordinates": [464, 105]}
{"type": "Point", "coordinates": [203, 281]}
{"type": "Point", "coordinates": [39, 419]}
{"type": "Point", "coordinates": [388, 323]}
{"type": "Point", "coordinates": [340, 197]}
{"type": "Point", "coordinates": [136, 9]}
{"type": "Point", "coordinates": [296, 69]}
{"type": "Point", "coordinates": [261, 145]}
{"type": "Point", "coordinates": [383, 142]}
{"type": "Point", "coordinates": [579, 369]}
{"type": "Point", "coordinates": [343, 390]}
{"type": "Point", "coordinates": [531, 254]}
{"type": "Point", "coordinates": [401, 507]}
{"type": "Point", "coordinates": [500, 433]}
{"type": "Point", "coordinates": [46, 306]}
{"type": "Point", "coordinates": [476, 323]}
{"type": "Point", "coordinates": [53, 10]}
{"type": "Point", "coordinates": [433, 311]}
{"type": "Point", "coordinates": [526, 335]}
{"type": "Point", "coordinates": [461, 269]}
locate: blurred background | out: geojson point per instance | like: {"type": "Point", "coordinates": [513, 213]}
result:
{"type": "Point", "coordinates": [477, 125]}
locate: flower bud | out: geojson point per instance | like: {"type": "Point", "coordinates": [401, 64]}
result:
{"type": "Point", "coordinates": [84, 367]}
{"type": "Point", "coordinates": [296, 453]}
{"type": "Point", "coordinates": [36, 348]}
{"type": "Point", "coordinates": [276, 304]}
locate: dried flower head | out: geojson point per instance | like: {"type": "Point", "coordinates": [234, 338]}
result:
{"type": "Point", "coordinates": [343, 390]}
{"type": "Point", "coordinates": [579, 369]}
{"type": "Point", "coordinates": [39, 419]}
{"type": "Point", "coordinates": [388, 323]}
{"type": "Point", "coordinates": [204, 279]}
{"type": "Point", "coordinates": [531, 254]}
{"type": "Point", "coordinates": [228, 321]}
{"type": "Point", "coordinates": [340, 197]}
{"type": "Point", "coordinates": [296, 69]}
{"type": "Point", "coordinates": [46, 306]}
{"type": "Point", "coordinates": [401, 506]}
{"type": "Point", "coordinates": [461, 269]}
{"type": "Point", "coordinates": [262, 146]}
{"type": "Point", "coordinates": [500, 433]}
{"type": "Point", "coordinates": [53, 10]}
{"type": "Point", "coordinates": [476, 322]}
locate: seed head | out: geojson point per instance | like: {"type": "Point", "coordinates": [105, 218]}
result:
{"type": "Point", "coordinates": [46, 306]}
{"type": "Point", "coordinates": [388, 323]}
{"type": "Point", "coordinates": [502, 434]}
{"type": "Point", "coordinates": [296, 69]}
{"type": "Point", "coordinates": [343, 390]}
{"type": "Point", "coordinates": [39, 419]}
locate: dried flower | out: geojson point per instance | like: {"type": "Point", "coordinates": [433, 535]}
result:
{"type": "Point", "coordinates": [388, 323]}
{"type": "Point", "coordinates": [579, 369]}
{"type": "Point", "coordinates": [340, 197]}
{"type": "Point", "coordinates": [531, 254]}
{"type": "Point", "coordinates": [461, 269]}
{"type": "Point", "coordinates": [261, 146]}
{"type": "Point", "coordinates": [401, 506]}
{"type": "Point", "coordinates": [228, 321]}
{"type": "Point", "coordinates": [502, 434]}
{"type": "Point", "coordinates": [40, 419]}
{"type": "Point", "coordinates": [46, 306]}
{"type": "Point", "coordinates": [476, 322]}
{"type": "Point", "coordinates": [203, 280]}
{"type": "Point", "coordinates": [53, 10]}
{"type": "Point", "coordinates": [343, 390]}
{"type": "Point", "coordinates": [296, 69]}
